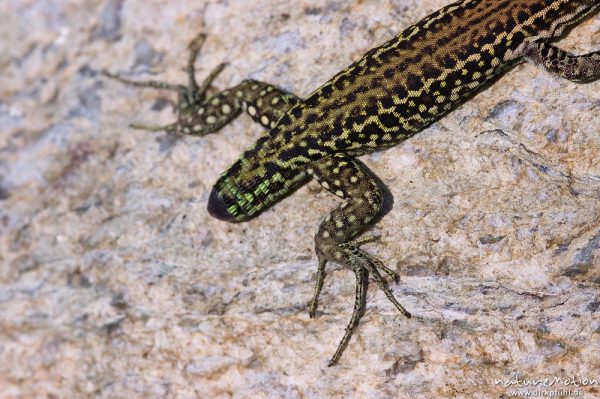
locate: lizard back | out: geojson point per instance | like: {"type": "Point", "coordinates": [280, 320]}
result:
{"type": "Point", "coordinates": [393, 91]}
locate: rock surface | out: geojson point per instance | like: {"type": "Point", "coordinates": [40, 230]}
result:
{"type": "Point", "coordinates": [115, 282]}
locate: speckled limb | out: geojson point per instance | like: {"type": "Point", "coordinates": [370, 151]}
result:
{"type": "Point", "coordinates": [314, 303]}
{"type": "Point", "coordinates": [577, 68]}
{"type": "Point", "coordinates": [359, 308]}
{"type": "Point", "coordinates": [198, 115]}
{"type": "Point", "coordinates": [344, 177]}
{"type": "Point", "coordinates": [264, 102]}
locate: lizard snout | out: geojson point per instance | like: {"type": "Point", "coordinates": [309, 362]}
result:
{"type": "Point", "coordinates": [217, 208]}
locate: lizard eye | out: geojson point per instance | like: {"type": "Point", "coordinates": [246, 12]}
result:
{"type": "Point", "coordinates": [217, 208]}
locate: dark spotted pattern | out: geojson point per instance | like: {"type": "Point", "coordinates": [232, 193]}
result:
{"type": "Point", "coordinates": [392, 92]}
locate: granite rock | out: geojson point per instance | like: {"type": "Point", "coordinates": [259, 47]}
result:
{"type": "Point", "coordinates": [115, 282]}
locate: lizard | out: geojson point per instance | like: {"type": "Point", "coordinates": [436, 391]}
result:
{"type": "Point", "coordinates": [392, 92]}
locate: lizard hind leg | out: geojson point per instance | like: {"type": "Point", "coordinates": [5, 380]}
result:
{"type": "Point", "coordinates": [577, 68]}
{"type": "Point", "coordinates": [335, 240]}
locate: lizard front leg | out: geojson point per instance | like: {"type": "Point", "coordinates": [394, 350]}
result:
{"type": "Point", "coordinates": [199, 115]}
{"type": "Point", "coordinates": [334, 241]}
{"type": "Point", "coordinates": [577, 68]}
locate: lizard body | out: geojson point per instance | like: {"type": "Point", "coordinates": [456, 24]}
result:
{"type": "Point", "coordinates": [392, 92]}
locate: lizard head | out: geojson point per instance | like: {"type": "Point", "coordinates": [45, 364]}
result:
{"type": "Point", "coordinates": [251, 185]}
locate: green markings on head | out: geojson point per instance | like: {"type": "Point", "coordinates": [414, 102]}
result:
{"type": "Point", "coordinates": [263, 187]}
{"type": "Point", "coordinates": [247, 194]}
{"type": "Point", "coordinates": [241, 204]}
{"type": "Point", "coordinates": [233, 210]}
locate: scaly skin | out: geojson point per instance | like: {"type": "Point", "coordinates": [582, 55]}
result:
{"type": "Point", "coordinates": [392, 92]}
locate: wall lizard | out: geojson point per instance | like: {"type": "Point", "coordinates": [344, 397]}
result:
{"type": "Point", "coordinates": [392, 92]}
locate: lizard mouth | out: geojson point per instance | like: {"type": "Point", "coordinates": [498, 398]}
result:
{"type": "Point", "coordinates": [217, 208]}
